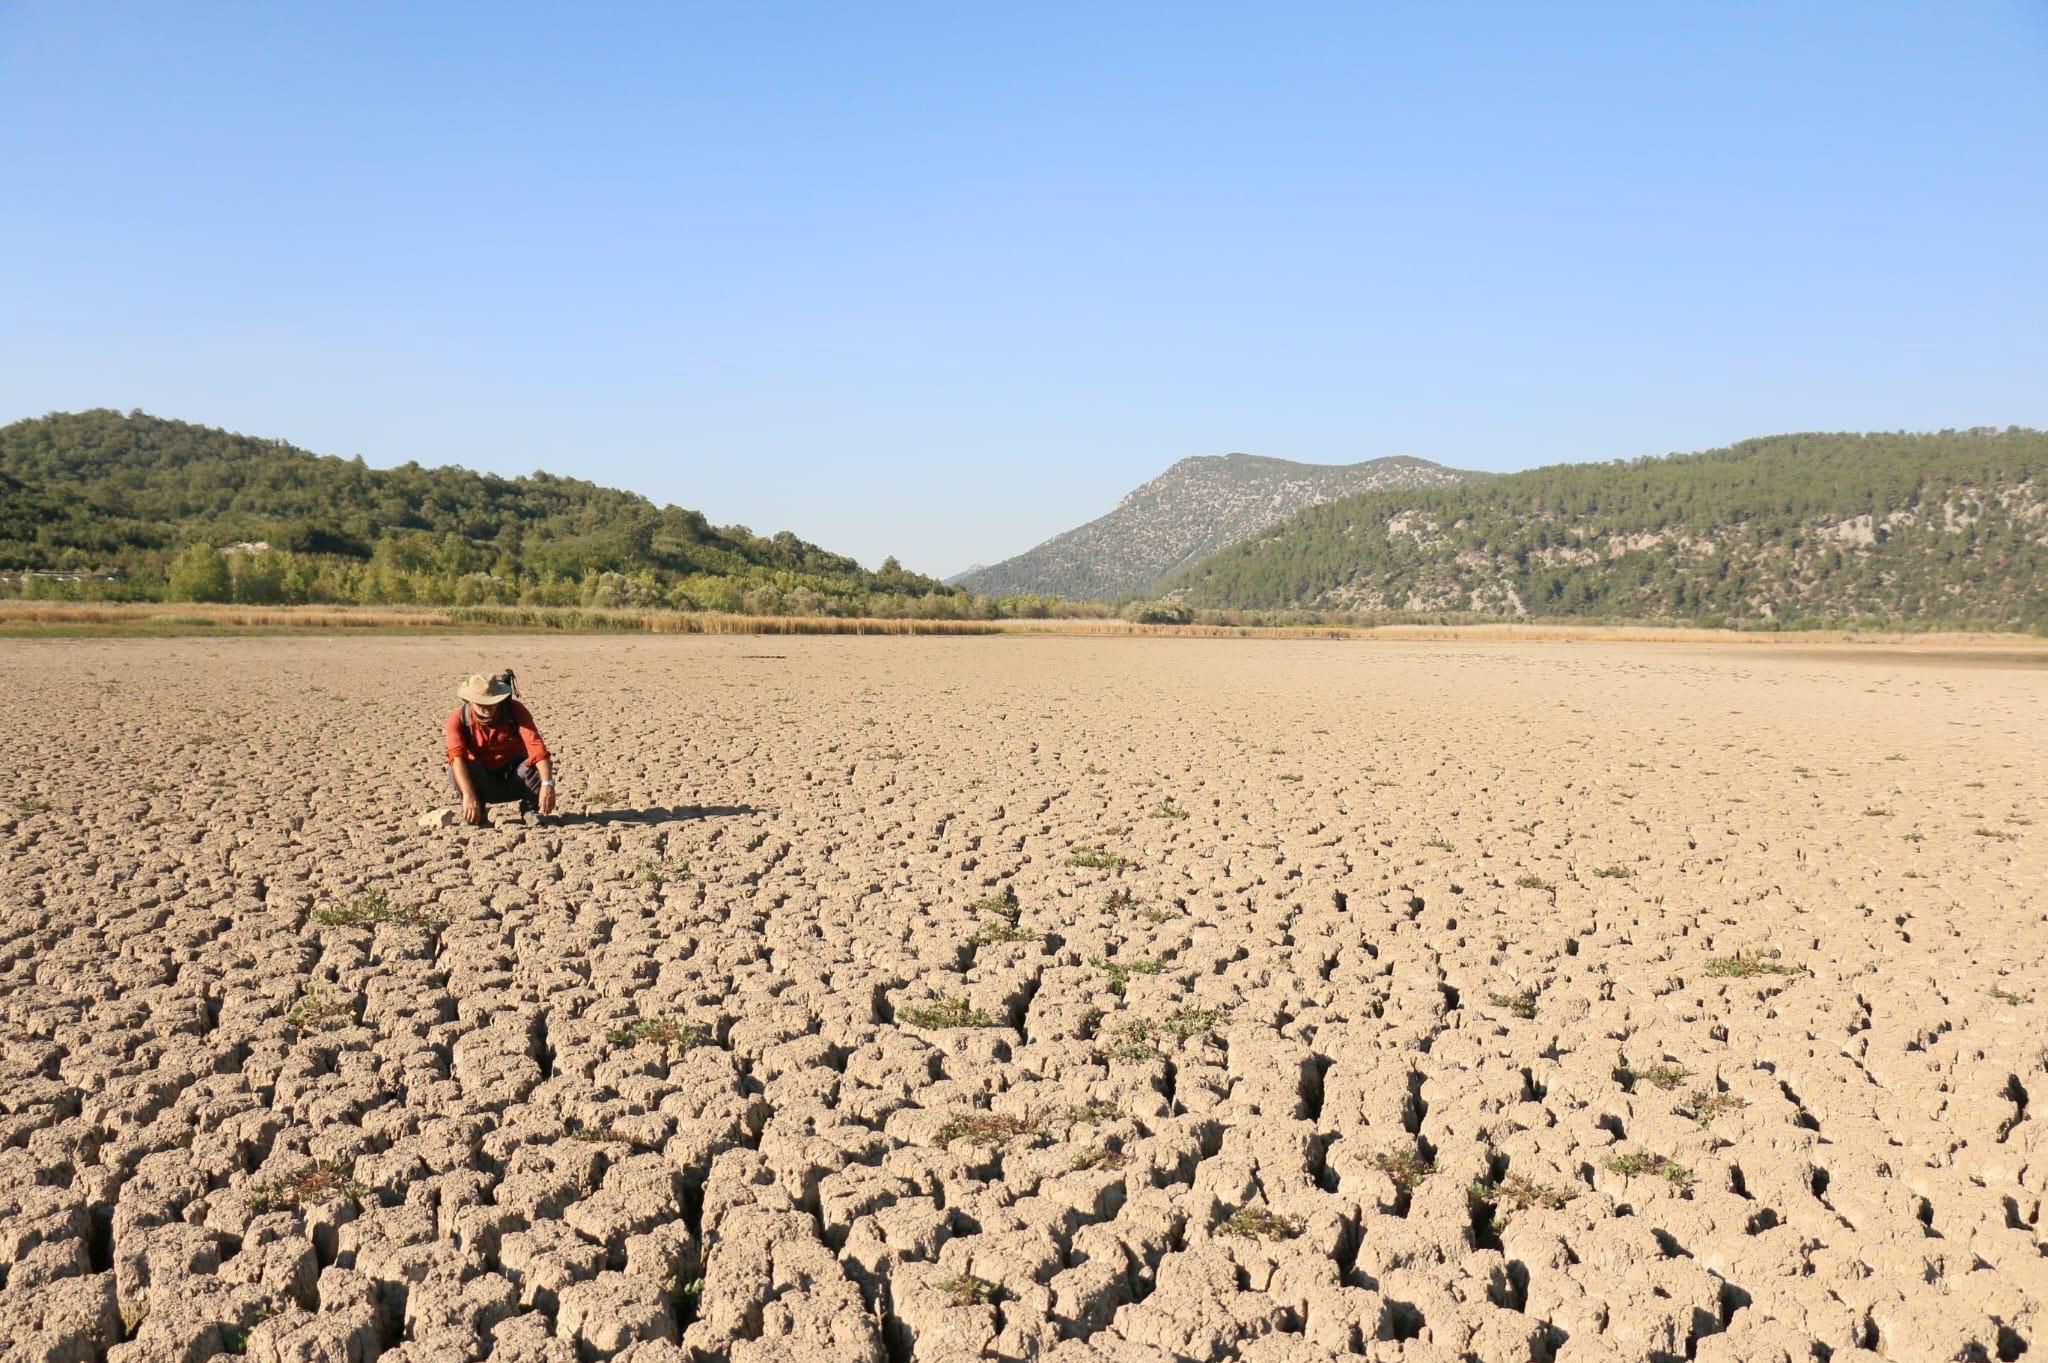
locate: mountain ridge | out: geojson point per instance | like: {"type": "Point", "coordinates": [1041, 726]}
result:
{"type": "Point", "coordinates": [1195, 507]}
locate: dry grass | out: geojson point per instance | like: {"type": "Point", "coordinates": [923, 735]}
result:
{"type": "Point", "coordinates": [32, 617]}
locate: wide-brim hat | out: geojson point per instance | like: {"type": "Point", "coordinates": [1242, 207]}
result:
{"type": "Point", "coordinates": [482, 690]}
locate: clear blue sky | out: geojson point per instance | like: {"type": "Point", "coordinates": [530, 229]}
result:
{"type": "Point", "coordinates": [943, 280]}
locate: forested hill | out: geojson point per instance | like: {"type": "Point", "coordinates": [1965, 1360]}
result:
{"type": "Point", "coordinates": [159, 501]}
{"type": "Point", "coordinates": [1949, 528]}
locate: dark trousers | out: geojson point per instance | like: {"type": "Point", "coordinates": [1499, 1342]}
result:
{"type": "Point", "coordinates": [502, 785]}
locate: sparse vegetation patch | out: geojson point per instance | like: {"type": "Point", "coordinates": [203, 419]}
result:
{"type": "Point", "coordinates": [1659, 1076]}
{"type": "Point", "coordinates": [1120, 972]}
{"type": "Point", "coordinates": [986, 1128]}
{"type": "Point", "coordinates": [964, 1289]}
{"type": "Point", "coordinates": [1640, 1163]}
{"type": "Point", "coordinates": [947, 1012]}
{"type": "Point", "coordinates": [657, 1031]}
{"type": "Point", "coordinates": [322, 1181]}
{"type": "Point", "coordinates": [1517, 1193]}
{"type": "Point", "coordinates": [317, 1011]}
{"type": "Point", "coordinates": [1405, 1167]}
{"type": "Point", "coordinates": [1259, 1223]}
{"type": "Point", "coordinates": [1703, 1106]}
{"type": "Point", "coordinates": [1745, 965]}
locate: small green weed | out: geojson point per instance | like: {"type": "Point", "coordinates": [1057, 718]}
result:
{"type": "Point", "coordinates": [1167, 809]}
{"type": "Point", "coordinates": [964, 1289]}
{"type": "Point", "coordinates": [1003, 903]}
{"type": "Point", "coordinates": [1120, 972]}
{"type": "Point", "coordinates": [1660, 1076]}
{"type": "Point", "coordinates": [1981, 831]}
{"type": "Point", "coordinates": [1703, 1107]}
{"type": "Point", "coordinates": [1440, 841]}
{"type": "Point", "coordinates": [373, 909]}
{"type": "Point", "coordinates": [1259, 1223]}
{"type": "Point", "coordinates": [1614, 873]}
{"type": "Point", "coordinates": [2006, 996]}
{"type": "Point", "coordinates": [33, 805]}
{"type": "Point", "coordinates": [1530, 881]}
{"type": "Point", "coordinates": [1192, 1022]}
{"type": "Point", "coordinates": [1522, 1005]}
{"type": "Point", "coordinates": [1640, 1163]}
{"type": "Point", "coordinates": [1097, 858]}
{"type": "Point", "coordinates": [1514, 1194]}
{"type": "Point", "coordinates": [648, 871]}
{"type": "Point", "coordinates": [600, 797]}
{"type": "Point", "coordinates": [1405, 1167]}
{"type": "Point", "coordinates": [1878, 811]}
{"type": "Point", "coordinates": [1098, 1157]}
{"type": "Point", "coordinates": [1134, 1040]}
{"type": "Point", "coordinates": [1001, 930]}
{"type": "Point", "coordinates": [316, 1011]}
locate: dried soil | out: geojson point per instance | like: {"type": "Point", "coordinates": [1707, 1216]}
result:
{"type": "Point", "coordinates": [1006, 998]}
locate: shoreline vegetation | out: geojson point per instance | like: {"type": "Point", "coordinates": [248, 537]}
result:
{"type": "Point", "coordinates": [27, 619]}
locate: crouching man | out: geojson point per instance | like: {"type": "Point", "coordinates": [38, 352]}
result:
{"type": "Point", "coordinates": [495, 752]}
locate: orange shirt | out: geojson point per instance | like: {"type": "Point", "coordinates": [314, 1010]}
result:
{"type": "Point", "coordinates": [510, 736]}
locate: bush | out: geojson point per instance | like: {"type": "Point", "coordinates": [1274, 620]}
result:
{"type": "Point", "coordinates": [199, 574]}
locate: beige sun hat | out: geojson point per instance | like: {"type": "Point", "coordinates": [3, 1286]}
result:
{"type": "Point", "coordinates": [482, 690]}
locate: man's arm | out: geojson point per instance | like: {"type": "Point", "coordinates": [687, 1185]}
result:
{"type": "Point", "coordinates": [472, 808]}
{"type": "Point", "coordinates": [546, 767]}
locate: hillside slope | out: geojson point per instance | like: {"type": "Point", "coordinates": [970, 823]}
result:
{"type": "Point", "coordinates": [103, 490]}
{"type": "Point", "coordinates": [1945, 527]}
{"type": "Point", "coordinates": [1196, 507]}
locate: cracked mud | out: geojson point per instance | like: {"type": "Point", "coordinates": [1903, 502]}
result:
{"type": "Point", "coordinates": [1024, 999]}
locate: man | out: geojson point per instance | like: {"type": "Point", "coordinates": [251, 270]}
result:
{"type": "Point", "coordinates": [495, 752]}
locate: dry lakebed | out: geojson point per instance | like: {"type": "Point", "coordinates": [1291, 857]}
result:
{"type": "Point", "coordinates": [1005, 998]}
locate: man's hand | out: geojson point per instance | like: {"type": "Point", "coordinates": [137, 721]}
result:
{"type": "Point", "coordinates": [547, 799]}
{"type": "Point", "coordinates": [472, 810]}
